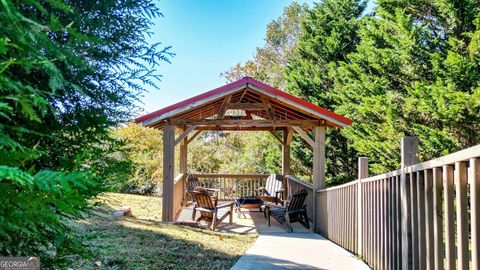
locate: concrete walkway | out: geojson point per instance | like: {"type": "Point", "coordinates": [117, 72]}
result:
{"type": "Point", "coordinates": [277, 249]}
{"type": "Point", "coordinates": [303, 249]}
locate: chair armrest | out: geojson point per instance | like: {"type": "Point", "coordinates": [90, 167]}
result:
{"type": "Point", "coordinates": [281, 192]}
{"type": "Point", "coordinates": [272, 205]}
{"type": "Point", "coordinates": [225, 205]}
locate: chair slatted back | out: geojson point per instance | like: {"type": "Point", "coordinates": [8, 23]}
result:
{"type": "Point", "coordinates": [192, 183]}
{"type": "Point", "coordinates": [298, 200]}
{"type": "Point", "coordinates": [204, 200]}
{"type": "Point", "coordinates": [274, 183]}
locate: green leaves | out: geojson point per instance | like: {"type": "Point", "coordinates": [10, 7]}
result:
{"type": "Point", "coordinates": [17, 176]}
{"type": "Point", "coordinates": [65, 67]}
{"type": "Point", "coordinates": [329, 33]}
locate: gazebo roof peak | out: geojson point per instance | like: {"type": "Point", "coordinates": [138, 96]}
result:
{"type": "Point", "coordinates": [250, 96]}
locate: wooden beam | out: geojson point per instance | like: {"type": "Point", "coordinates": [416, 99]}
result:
{"type": "Point", "coordinates": [183, 163]}
{"type": "Point", "coordinates": [268, 106]}
{"type": "Point", "coordinates": [184, 134]}
{"type": "Point", "coordinates": [168, 171]}
{"type": "Point", "coordinates": [276, 137]}
{"type": "Point", "coordinates": [243, 122]}
{"type": "Point", "coordinates": [287, 139]}
{"type": "Point", "coordinates": [362, 173]}
{"type": "Point", "coordinates": [475, 211]}
{"type": "Point", "coordinates": [224, 107]}
{"type": "Point", "coordinates": [243, 94]}
{"type": "Point", "coordinates": [246, 106]}
{"type": "Point", "coordinates": [304, 135]}
{"type": "Point", "coordinates": [189, 140]}
{"type": "Point", "coordinates": [318, 169]}
{"type": "Point", "coordinates": [287, 136]}
{"type": "Point", "coordinates": [409, 156]}
{"type": "Point", "coordinates": [233, 128]}
{"type": "Point", "coordinates": [183, 152]}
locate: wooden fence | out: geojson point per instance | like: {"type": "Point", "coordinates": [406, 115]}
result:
{"type": "Point", "coordinates": [178, 192]}
{"type": "Point", "coordinates": [340, 205]}
{"type": "Point", "coordinates": [423, 216]}
{"type": "Point", "coordinates": [233, 186]}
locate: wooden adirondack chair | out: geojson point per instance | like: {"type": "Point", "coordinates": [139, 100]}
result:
{"type": "Point", "coordinates": [193, 183]}
{"type": "Point", "coordinates": [294, 211]}
{"type": "Point", "coordinates": [273, 190]}
{"type": "Point", "coordinates": [209, 210]}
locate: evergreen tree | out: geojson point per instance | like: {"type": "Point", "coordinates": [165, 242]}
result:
{"type": "Point", "coordinates": [69, 70]}
{"type": "Point", "coordinates": [414, 73]}
{"type": "Point", "coordinates": [328, 35]}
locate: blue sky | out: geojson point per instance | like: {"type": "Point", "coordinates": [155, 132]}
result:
{"type": "Point", "coordinates": [207, 37]}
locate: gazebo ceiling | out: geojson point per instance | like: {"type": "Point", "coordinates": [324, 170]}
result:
{"type": "Point", "coordinates": [246, 104]}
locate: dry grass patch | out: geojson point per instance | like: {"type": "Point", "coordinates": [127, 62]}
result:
{"type": "Point", "coordinates": [142, 242]}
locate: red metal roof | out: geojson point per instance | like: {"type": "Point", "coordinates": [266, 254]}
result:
{"type": "Point", "coordinates": [239, 83]}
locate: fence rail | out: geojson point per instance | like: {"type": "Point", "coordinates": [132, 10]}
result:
{"type": "Point", "coordinates": [424, 216]}
{"type": "Point", "coordinates": [232, 186]}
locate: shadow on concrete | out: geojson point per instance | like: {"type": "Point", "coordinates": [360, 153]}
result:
{"type": "Point", "coordinates": [258, 262]}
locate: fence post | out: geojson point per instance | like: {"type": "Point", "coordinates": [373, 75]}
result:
{"type": "Point", "coordinates": [362, 174]}
{"type": "Point", "coordinates": [409, 152]}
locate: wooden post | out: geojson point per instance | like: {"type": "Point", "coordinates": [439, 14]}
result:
{"type": "Point", "coordinates": [475, 211]}
{"type": "Point", "coordinates": [409, 150]}
{"type": "Point", "coordinates": [183, 161]}
{"type": "Point", "coordinates": [460, 178]}
{"type": "Point", "coordinates": [287, 140]}
{"type": "Point", "coordinates": [168, 171]}
{"type": "Point", "coordinates": [318, 168]}
{"type": "Point", "coordinates": [449, 222]}
{"type": "Point", "coordinates": [362, 174]}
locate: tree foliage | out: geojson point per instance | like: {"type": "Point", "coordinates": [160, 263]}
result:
{"type": "Point", "coordinates": [411, 68]}
{"type": "Point", "coordinates": [415, 73]}
{"type": "Point", "coordinates": [69, 70]}
{"type": "Point", "coordinates": [328, 35]}
{"type": "Point", "coordinates": [270, 60]}
{"type": "Point", "coordinates": [144, 150]}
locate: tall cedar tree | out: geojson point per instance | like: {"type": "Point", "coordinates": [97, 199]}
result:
{"type": "Point", "coordinates": [328, 35]}
{"type": "Point", "coordinates": [415, 73]}
{"type": "Point", "coordinates": [69, 70]}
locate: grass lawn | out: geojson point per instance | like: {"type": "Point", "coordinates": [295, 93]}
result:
{"type": "Point", "coordinates": [142, 242]}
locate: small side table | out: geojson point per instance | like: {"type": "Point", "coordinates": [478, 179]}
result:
{"type": "Point", "coordinates": [247, 202]}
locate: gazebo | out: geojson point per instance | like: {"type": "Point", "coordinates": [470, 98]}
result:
{"type": "Point", "coordinates": [243, 105]}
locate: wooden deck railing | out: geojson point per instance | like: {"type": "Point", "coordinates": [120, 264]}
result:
{"type": "Point", "coordinates": [178, 192]}
{"type": "Point", "coordinates": [232, 186]}
{"type": "Point", "coordinates": [295, 184]}
{"type": "Point", "coordinates": [424, 216]}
